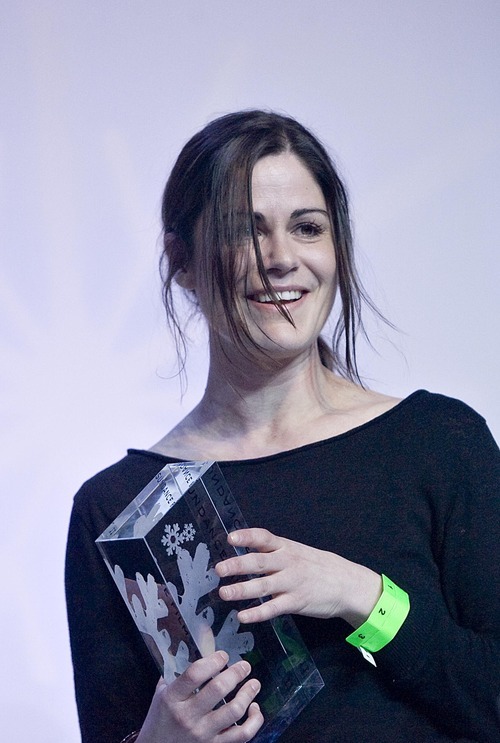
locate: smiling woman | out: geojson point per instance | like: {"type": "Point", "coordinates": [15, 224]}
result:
{"type": "Point", "coordinates": [209, 197]}
{"type": "Point", "coordinates": [295, 248]}
{"type": "Point", "coordinates": [343, 486]}
{"type": "Point", "coordinates": [298, 255]}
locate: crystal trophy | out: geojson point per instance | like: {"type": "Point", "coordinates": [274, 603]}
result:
{"type": "Point", "coordinates": [161, 551]}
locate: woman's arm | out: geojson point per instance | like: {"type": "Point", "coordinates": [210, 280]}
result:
{"type": "Point", "coordinates": [445, 659]}
{"type": "Point", "coordinates": [116, 679]}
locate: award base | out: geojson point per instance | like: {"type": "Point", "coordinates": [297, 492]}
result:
{"type": "Point", "coordinates": [161, 551]}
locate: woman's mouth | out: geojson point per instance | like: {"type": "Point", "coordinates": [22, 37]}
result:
{"type": "Point", "coordinates": [283, 297]}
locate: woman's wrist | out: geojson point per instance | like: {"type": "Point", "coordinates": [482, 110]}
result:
{"type": "Point", "coordinates": [363, 591]}
{"type": "Point", "coordinates": [385, 621]}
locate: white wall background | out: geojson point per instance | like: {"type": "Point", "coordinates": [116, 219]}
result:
{"type": "Point", "coordinates": [97, 97]}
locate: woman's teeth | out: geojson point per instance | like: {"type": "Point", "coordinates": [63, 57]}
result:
{"type": "Point", "coordinates": [288, 296]}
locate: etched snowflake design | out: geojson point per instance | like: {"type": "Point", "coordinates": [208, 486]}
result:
{"type": "Point", "coordinates": [172, 539]}
{"type": "Point", "coordinates": [189, 532]}
{"type": "Point", "coordinates": [198, 580]}
{"type": "Point", "coordinates": [144, 603]}
{"type": "Point", "coordinates": [147, 602]}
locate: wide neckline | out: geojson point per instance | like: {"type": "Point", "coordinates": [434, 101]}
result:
{"type": "Point", "coordinates": [379, 419]}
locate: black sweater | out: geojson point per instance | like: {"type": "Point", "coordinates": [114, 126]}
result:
{"type": "Point", "coordinates": [414, 494]}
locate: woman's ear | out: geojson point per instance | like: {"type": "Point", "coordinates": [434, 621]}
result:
{"type": "Point", "coordinates": [185, 278]}
{"type": "Point", "coordinates": [177, 251]}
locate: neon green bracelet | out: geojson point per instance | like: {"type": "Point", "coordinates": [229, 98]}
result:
{"type": "Point", "coordinates": [385, 621]}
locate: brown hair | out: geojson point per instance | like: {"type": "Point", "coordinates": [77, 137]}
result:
{"type": "Point", "coordinates": [213, 177]}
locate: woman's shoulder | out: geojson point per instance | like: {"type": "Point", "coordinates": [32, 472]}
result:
{"type": "Point", "coordinates": [372, 404]}
{"type": "Point", "coordinates": [435, 407]}
{"type": "Point", "coordinates": [436, 427]}
{"type": "Point", "coordinates": [421, 421]}
{"type": "Point", "coordinates": [111, 489]}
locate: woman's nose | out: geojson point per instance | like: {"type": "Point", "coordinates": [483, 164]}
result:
{"type": "Point", "coordinates": [278, 254]}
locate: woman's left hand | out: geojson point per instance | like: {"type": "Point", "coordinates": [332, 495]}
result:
{"type": "Point", "coordinates": [299, 579]}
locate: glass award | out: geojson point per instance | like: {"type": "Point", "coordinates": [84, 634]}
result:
{"type": "Point", "coordinates": [162, 550]}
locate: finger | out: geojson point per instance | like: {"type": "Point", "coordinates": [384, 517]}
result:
{"type": "Point", "coordinates": [257, 588]}
{"type": "Point", "coordinates": [196, 675]}
{"type": "Point", "coordinates": [247, 730]}
{"type": "Point", "coordinates": [161, 683]}
{"type": "Point", "coordinates": [252, 564]}
{"type": "Point", "coordinates": [258, 539]}
{"type": "Point", "coordinates": [224, 718]}
{"type": "Point", "coordinates": [250, 727]}
{"type": "Point", "coordinates": [254, 721]}
{"type": "Point", "coordinates": [220, 687]}
{"type": "Point", "coordinates": [275, 607]}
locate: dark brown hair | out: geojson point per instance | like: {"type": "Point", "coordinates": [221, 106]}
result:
{"type": "Point", "coordinates": [212, 177]}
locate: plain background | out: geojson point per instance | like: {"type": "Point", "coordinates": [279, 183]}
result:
{"type": "Point", "coordinates": [97, 98]}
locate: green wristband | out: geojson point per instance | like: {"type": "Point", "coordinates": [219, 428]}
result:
{"type": "Point", "coordinates": [385, 621]}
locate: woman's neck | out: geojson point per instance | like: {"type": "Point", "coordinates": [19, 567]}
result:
{"type": "Point", "coordinates": [254, 398]}
{"type": "Point", "coordinates": [249, 411]}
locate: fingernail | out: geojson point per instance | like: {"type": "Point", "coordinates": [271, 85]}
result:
{"type": "Point", "coordinates": [255, 685]}
{"type": "Point", "coordinates": [225, 592]}
{"type": "Point", "coordinates": [233, 538]}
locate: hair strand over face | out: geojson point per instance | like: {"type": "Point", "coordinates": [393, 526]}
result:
{"type": "Point", "coordinates": [207, 216]}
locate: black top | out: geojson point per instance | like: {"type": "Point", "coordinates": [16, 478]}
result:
{"type": "Point", "coordinates": [413, 494]}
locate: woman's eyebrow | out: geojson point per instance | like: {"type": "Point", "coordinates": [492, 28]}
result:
{"type": "Point", "coordinates": [300, 212]}
{"type": "Point", "coordinates": [295, 214]}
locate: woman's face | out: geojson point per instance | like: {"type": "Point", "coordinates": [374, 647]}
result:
{"type": "Point", "coordinates": [299, 258]}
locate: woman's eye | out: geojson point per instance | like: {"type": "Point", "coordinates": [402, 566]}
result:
{"type": "Point", "coordinates": [246, 231]}
{"type": "Point", "coordinates": [309, 229]}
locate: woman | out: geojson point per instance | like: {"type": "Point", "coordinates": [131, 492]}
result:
{"type": "Point", "coordinates": [341, 484]}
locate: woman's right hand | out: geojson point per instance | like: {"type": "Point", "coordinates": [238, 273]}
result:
{"type": "Point", "coordinates": [180, 715]}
